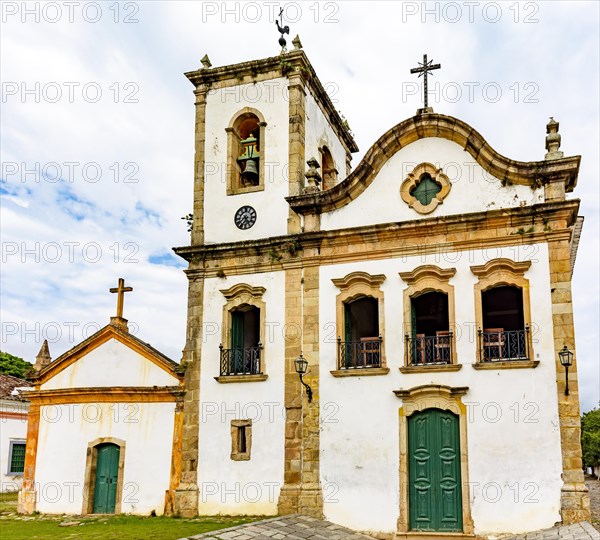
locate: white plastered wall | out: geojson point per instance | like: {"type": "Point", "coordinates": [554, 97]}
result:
{"type": "Point", "coordinates": [111, 364]}
{"type": "Point", "coordinates": [66, 431]}
{"type": "Point", "coordinates": [319, 131]}
{"type": "Point", "coordinates": [473, 188]}
{"type": "Point", "coordinates": [513, 436]}
{"type": "Point", "coordinates": [271, 99]}
{"type": "Point", "coordinates": [242, 487]}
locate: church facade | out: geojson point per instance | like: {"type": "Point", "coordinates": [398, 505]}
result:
{"type": "Point", "coordinates": [424, 295]}
{"type": "Point", "coordinates": [382, 346]}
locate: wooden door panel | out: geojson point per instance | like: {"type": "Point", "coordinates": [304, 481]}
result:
{"type": "Point", "coordinates": [435, 498]}
{"type": "Point", "coordinates": [105, 485]}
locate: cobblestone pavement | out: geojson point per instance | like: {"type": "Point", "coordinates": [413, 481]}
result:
{"type": "Point", "coordinates": [579, 531]}
{"type": "Point", "coordinates": [593, 485]}
{"type": "Point", "coordinates": [287, 528]}
{"type": "Point", "coordinates": [306, 528]}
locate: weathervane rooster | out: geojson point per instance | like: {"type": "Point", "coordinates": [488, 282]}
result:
{"type": "Point", "coordinates": [282, 30]}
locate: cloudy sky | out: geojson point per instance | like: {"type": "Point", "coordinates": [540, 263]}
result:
{"type": "Point", "coordinates": [97, 134]}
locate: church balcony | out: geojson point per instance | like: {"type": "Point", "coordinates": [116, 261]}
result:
{"type": "Point", "coordinates": [499, 345]}
{"type": "Point", "coordinates": [422, 350]}
{"type": "Point", "coordinates": [241, 360]}
{"type": "Point", "coordinates": [362, 354]}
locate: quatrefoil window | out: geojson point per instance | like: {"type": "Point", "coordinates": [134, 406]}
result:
{"type": "Point", "coordinates": [425, 188]}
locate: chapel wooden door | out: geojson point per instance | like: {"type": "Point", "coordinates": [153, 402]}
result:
{"type": "Point", "coordinates": [435, 495]}
{"type": "Point", "coordinates": [107, 473]}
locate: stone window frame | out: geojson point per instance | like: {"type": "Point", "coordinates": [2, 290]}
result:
{"type": "Point", "coordinates": [325, 146]}
{"type": "Point", "coordinates": [236, 455]}
{"type": "Point", "coordinates": [11, 445]}
{"type": "Point", "coordinates": [90, 473]}
{"type": "Point", "coordinates": [236, 296]}
{"type": "Point", "coordinates": [496, 273]}
{"type": "Point", "coordinates": [413, 178]}
{"type": "Point", "coordinates": [420, 398]}
{"type": "Point", "coordinates": [232, 173]}
{"type": "Point", "coordinates": [353, 286]}
{"type": "Point", "coordinates": [424, 279]}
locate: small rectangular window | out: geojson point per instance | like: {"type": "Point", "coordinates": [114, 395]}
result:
{"type": "Point", "coordinates": [16, 463]}
{"type": "Point", "coordinates": [241, 440]}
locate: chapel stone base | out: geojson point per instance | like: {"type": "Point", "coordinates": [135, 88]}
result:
{"type": "Point", "coordinates": [26, 502]}
{"type": "Point", "coordinates": [304, 499]}
{"type": "Point", "coordinates": [575, 503]}
{"type": "Point", "coordinates": [185, 503]}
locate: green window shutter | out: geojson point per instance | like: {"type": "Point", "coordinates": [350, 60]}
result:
{"type": "Point", "coordinates": [237, 330]}
{"type": "Point", "coordinates": [347, 323]}
{"type": "Point", "coordinates": [426, 190]}
{"type": "Point", "coordinates": [17, 458]}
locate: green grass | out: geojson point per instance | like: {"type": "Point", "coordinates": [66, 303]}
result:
{"type": "Point", "coordinates": [120, 527]}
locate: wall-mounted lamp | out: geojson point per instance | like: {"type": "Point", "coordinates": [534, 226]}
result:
{"type": "Point", "coordinates": [301, 365]}
{"type": "Point", "coordinates": [566, 359]}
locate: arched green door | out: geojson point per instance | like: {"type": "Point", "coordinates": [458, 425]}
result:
{"type": "Point", "coordinates": [107, 473]}
{"type": "Point", "coordinates": [435, 495]}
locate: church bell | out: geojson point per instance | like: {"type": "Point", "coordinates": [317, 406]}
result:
{"type": "Point", "coordinates": [249, 161]}
{"type": "Point", "coordinates": [250, 174]}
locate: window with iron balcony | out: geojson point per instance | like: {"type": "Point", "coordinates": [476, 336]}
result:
{"type": "Point", "coordinates": [429, 342]}
{"type": "Point", "coordinates": [360, 325]}
{"type": "Point", "coordinates": [241, 354]}
{"type": "Point", "coordinates": [503, 315]}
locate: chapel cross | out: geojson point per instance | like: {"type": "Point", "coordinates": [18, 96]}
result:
{"type": "Point", "coordinates": [424, 69]}
{"type": "Point", "coordinates": [120, 290]}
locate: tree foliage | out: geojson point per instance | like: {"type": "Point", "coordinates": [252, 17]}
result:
{"type": "Point", "coordinates": [13, 365]}
{"type": "Point", "coordinates": [590, 437]}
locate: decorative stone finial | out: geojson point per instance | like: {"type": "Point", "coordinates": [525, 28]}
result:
{"type": "Point", "coordinates": [313, 178]}
{"type": "Point", "coordinates": [296, 42]}
{"type": "Point", "coordinates": [43, 358]}
{"type": "Point", "coordinates": [553, 140]}
{"type": "Point", "coordinates": [206, 63]}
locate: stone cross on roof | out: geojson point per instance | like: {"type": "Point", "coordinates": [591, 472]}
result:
{"type": "Point", "coordinates": [425, 69]}
{"type": "Point", "coordinates": [120, 290]}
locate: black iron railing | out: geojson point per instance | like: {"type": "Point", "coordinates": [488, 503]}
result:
{"type": "Point", "coordinates": [503, 345]}
{"type": "Point", "coordinates": [364, 353]}
{"type": "Point", "coordinates": [423, 350]}
{"type": "Point", "coordinates": [241, 361]}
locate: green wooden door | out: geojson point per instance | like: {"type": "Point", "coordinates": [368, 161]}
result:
{"type": "Point", "coordinates": [435, 495]}
{"type": "Point", "coordinates": [107, 472]}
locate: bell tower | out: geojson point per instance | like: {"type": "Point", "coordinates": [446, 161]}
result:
{"type": "Point", "coordinates": [257, 124]}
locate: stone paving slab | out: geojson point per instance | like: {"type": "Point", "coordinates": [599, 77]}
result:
{"type": "Point", "coordinates": [294, 527]}
{"type": "Point", "coordinates": [297, 527]}
{"type": "Point", "coordinates": [579, 531]}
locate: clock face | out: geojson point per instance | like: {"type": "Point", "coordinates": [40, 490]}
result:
{"type": "Point", "coordinates": [245, 217]}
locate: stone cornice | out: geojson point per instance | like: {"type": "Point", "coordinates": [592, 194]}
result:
{"type": "Point", "coordinates": [500, 265]}
{"type": "Point", "coordinates": [431, 389]}
{"type": "Point", "coordinates": [427, 271]}
{"type": "Point", "coordinates": [243, 288]}
{"type": "Point", "coordinates": [293, 65]}
{"type": "Point", "coordinates": [508, 171]}
{"type": "Point", "coordinates": [355, 278]}
{"type": "Point", "coordinates": [525, 225]}
{"type": "Point", "coordinates": [111, 394]}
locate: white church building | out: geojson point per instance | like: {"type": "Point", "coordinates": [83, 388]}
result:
{"type": "Point", "coordinates": [424, 295]}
